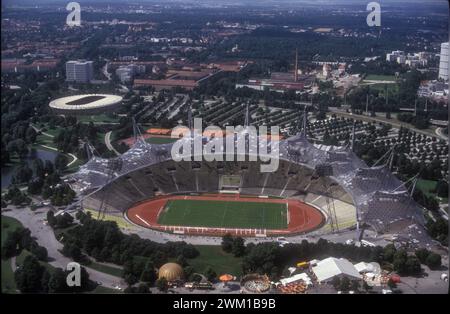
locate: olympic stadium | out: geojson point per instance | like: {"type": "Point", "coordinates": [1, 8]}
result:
{"type": "Point", "coordinates": [85, 104]}
{"type": "Point", "coordinates": [316, 190]}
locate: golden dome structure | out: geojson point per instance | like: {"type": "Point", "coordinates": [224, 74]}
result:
{"type": "Point", "coordinates": [171, 271]}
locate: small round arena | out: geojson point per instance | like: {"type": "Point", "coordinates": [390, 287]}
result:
{"type": "Point", "coordinates": [86, 104]}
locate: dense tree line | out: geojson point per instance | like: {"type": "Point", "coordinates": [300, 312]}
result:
{"type": "Point", "coordinates": [32, 277]}
{"type": "Point", "coordinates": [62, 221]}
{"type": "Point", "coordinates": [418, 121]}
{"type": "Point", "coordinates": [18, 108]}
{"type": "Point", "coordinates": [438, 230]}
{"type": "Point", "coordinates": [234, 245]}
{"type": "Point", "coordinates": [104, 241]}
{"type": "Point", "coordinates": [271, 259]}
{"type": "Point", "coordinates": [21, 239]}
{"type": "Point", "coordinates": [16, 196]}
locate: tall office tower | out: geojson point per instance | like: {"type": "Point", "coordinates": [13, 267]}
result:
{"type": "Point", "coordinates": [443, 64]}
{"type": "Point", "coordinates": [79, 71]}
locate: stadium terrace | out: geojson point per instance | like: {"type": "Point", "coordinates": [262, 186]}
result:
{"type": "Point", "coordinates": [324, 189]}
{"type": "Point", "coordinates": [193, 146]}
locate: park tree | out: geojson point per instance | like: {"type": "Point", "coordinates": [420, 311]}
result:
{"type": "Point", "coordinates": [261, 259]}
{"type": "Point", "coordinates": [35, 186]}
{"type": "Point", "coordinates": [143, 288]}
{"type": "Point", "coordinates": [412, 265]}
{"type": "Point", "coordinates": [389, 252]}
{"type": "Point", "coordinates": [61, 162]}
{"type": "Point", "coordinates": [45, 279]}
{"type": "Point", "coordinates": [181, 260]}
{"type": "Point", "coordinates": [188, 271]}
{"type": "Point", "coordinates": [442, 188]}
{"type": "Point", "coordinates": [227, 243]}
{"type": "Point", "coordinates": [130, 279]}
{"type": "Point", "coordinates": [433, 261]}
{"type": "Point", "coordinates": [238, 247]}
{"type": "Point", "coordinates": [28, 276]}
{"type": "Point", "coordinates": [57, 282]}
{"type": "Point", "coordinates": [22, 174]}
{"type": "Point", "coordinates": [51, 219]}
{"type": "Point", "coordinates": [162, 284]}
{"type": "Point", "coordinates": [399, 261]}
{"type": "Point", "coordinates": [9, 247]}
{"type": "Point", "coordinates": [64, 220]}
{"type": "Point", "coordinates": [71, 249]}
{"type": "Point", "coordinates": [422, 254]}
{"type": "Point", "coordinates": [39, 251]}
{"type": "Point", "coordinates": [149, 273]}
{"type": "Point", "coordinates": [210, 274]}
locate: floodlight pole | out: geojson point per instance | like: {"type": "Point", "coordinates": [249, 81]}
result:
{"type": "Point", "coordinates": [247, 116]}
{"type": "Point", "coordinates": [304, 122]}
{"type": "Point", "coordinates": [136, 132]}
{"type": "Point", "coordinates": [90, 150]}
{"type": "Point", "coordinates": [367, 104]}
{"type": "Point", "coordinates": [391, 158]}
{"type": "Point", "coordinates": [190, 123]}
{"type": "Point", "coordinates": [352, 147]}
{"type": "Point", "coordinates": [113, 166]}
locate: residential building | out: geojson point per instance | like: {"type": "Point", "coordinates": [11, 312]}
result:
{"type": "Point", "coordinates": [79, 71]}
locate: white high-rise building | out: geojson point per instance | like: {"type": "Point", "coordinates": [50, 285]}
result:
{"type": "Point", "coordinates": [443, 64]}
{"type": "Point", "coordinates": [79, 71]}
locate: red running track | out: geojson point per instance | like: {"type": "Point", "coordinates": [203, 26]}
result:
{"type": "Point", "coordinates": [303, 217]}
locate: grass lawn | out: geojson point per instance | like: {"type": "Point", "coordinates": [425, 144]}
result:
{"type": "Point", "coordinates": [160, 140]}
{"type": "Point", "coordinates": [427, 187]}
{"type": "Point", "coordinates": [44, 140]}
{"type": "Point", "coordinates": [214, 257]}
{"type": "Point", "coordinates": [373, 77]}
{"type": "Point", "coordinates": [224, 214]}
{"type": "Point", "coordinates": [98, 118]}
{"type": "Point", "coordinates": [46, 129]}
{"type": "Point", "coordinates": [114, 271]}
{"type": "Point", "coordinates": [380, 87]}
{"type": "Point", "coordinates": [120, 221]}
{"type": "Point", "coordinates": [8, 283]}
{"type": "Point", "coordinates": [75, 166]}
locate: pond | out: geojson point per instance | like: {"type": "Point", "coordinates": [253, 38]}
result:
{"type": "Point", "coordinates": [8, 172]}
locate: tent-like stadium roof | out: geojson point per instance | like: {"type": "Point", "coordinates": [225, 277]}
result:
{"type": "Point", "coordinates": [379, 197]}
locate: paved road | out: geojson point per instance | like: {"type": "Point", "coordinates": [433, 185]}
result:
{"type": "Point", "coordinates": [43, 133]}
{"type": "Point", "coordinates": [108, 143]}
{"type": "Point", "coordinates": [45, 237]}
{"type": "Point", "coordinates": [393, 122]}
{"type": "Point", "coordinates": [440, 133]}
{"type": "Point", "coordinates": [162, 237]}
{"type": "Point", "coordinates": [430, 283]}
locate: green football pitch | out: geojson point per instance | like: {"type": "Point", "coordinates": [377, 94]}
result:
{"type": "Point", "coordinates": [224, 214]}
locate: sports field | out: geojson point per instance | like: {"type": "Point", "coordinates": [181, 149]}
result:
{"type": "Point", "coordinates": [218, 214]}
{"type": "Point", "coordinates": [224, 214]}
